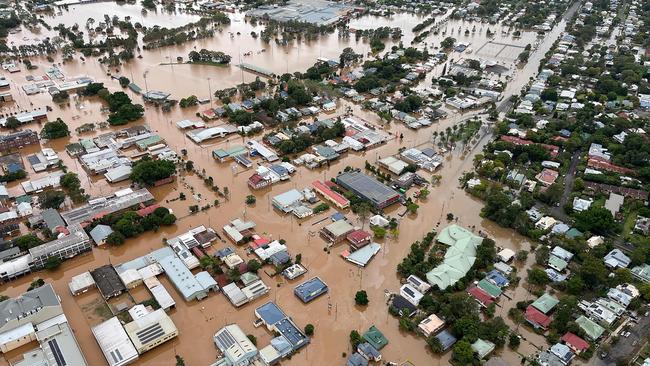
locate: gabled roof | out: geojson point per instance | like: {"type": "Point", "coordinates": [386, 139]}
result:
{"type": "Point", "coordinates": [536, 317]}
{"type": "Point", "coordinates": [545, 303]}
{"type": "Point", "coordinates": [491, 289]}
{"type": "Point", "coordinates": [575, 342]}
{"type": "Point", "coordinates": [591, 328]}
{"type": "Point", "coordinates": [481, 296]}
{"type": "Point", "coordinates": [375, 338]}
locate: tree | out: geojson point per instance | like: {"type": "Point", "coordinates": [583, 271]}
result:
{"type": "Point", "coordinates": [309, 329]}
{"type": "Point", "coordinates": [379, 232]}
{"type": "Point", "coordinates": [180, 361]}
{"type": "Point", "coordinates": [27, 241]}
{"type": "Point", "coordinates": [463, 353]}
{"type": "Point", "coordinates": [252, 338]}
{"type": "Point", "coordinates": [52, 263]}
{"type": "Point", "coordinates": [575, 285]}
{"type": "Point", "coordinates": [412, 207]}
{"type": "Point", "coordinates": [355, 339]}
{"type": "Point", "coordinates": [435, 344]}
{"type": "Point", "coordinates": [513, 341]}
{"type": "Point", "coordinates": [250, 199]}
{"type": "Point", "coordinates": [598, 220]}
{"type": "Point", "coordinates": [51, 199]}
{"type": "Point", "coordinates": [424, 193]}
{"type": "Point", "coordinates": [537, 276]}
{"type": "Point", "coordinates": [36, 284]}
{"type": "Point", "coordinates": [254, 265]}
{"type": "Point", "coordinates": [12, 123]}
{"type": "Point", "coordinates": [363, 210]}
{"type": "Point", "coordinates": [124, 81]}
{"type": "Point", "coordinates": [115, 238]}
{"type": "Point", "coordinates": [521, 256]}
{"type": "Point", "coordinates": [361, 298]}
{"type": "Point", "coordinates": [447, 43]}
{"type": "Point", "coordinates": [148, 171]}
{"type": "Point", "coordinates": [149, 4]}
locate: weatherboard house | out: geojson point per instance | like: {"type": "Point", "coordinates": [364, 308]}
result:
{"type": "Point", "coordinates": [459, 258]}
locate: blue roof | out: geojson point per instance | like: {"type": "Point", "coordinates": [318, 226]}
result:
{"type": "Point", "coordinates": [446, 339]}
{"type": "Point", "coordinates": [337, 216]}
{"type": "Point", "coordinates": [368, 350]}
{"type": "Point", "coordinates": [310, 289]}
{"type": "Point", "coordinates": [357, 360]}
{"type": "Point", "coordinates": [280, 258]}
{"type": "Point", "coordinates": [497, 278]}
{"type": "Point", "coordinates": [289, 331]}
{"type": "Point", "coordinates": [223, 253]}
{"type": "Point", "coordinates": [279, 169]}
{"type": "Point", "coordinates": [270, 313]}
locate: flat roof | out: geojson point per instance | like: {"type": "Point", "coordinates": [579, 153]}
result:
{"type": "Point", "coordinates": [368, 187]}
{"type": "Point", "coordinates": [181, 277]}
{"type": "Point", "coordinates": [291, 332]}
{"type": "Point", "coordinates": [310, 289]}
{"type": "Point", "coordinates": [114, 342]}
{"type": "Point", "coordinates": [270, 313]}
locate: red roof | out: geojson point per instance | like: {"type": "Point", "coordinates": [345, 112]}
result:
{"type": "Point", "coordinates": [222, 280]}
{"type": "Point", "coordinates": [480, 295]}
{"type": "Point", "coordinates": [326, 191]}
{"type": "Point", "coordinates": [552, 149]}
{"type": "Point", "coordinates": [255, 178]}
{"type": "Point", "coordinates": [600, 164]}
{"type": "Point", "coordinates": [147, 210]}
{"type": "Point", "coordinates": [547, 176]}
{"type": "Point", "coordinates": [575, 342]}
{"type": "Point", "coordinates": [537, 317]}
{"type": "Point", "coordinates": [358, 236]}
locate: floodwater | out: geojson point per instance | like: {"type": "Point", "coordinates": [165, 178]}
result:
{"type": "Point", "coordinates": [197, 321]}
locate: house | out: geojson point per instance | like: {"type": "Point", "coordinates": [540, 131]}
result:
{"type": "Point", "coordinates": [545, 303]}
{"type": "Point", "coordinates": [100, 233]}
{"type": "Point", "coordinates": [418, 283]}
{"type": "Point", "coordinates": [545, 223]}
{"type": "Point", "coordinates": [81, 283]}
{"type": "Point", "coordinates": [52, 219]}
{"type": "Point", "coordinates": [575, 343]}
{"type": "Point", "coordinates": [402, 306]}
{"type": "Point", "coordinates": [362, 257]}
{"type": "Point", "coordinates": [334, 197]}
{"type": "Point", "coordinates": [375, 338]}
{"type": "Point", "coordinates": [369, 352]}
{"type": "Point", "coordinates": [592, 330]}
{"type": "Point", "coordinates": [595, 241]}
{"type": "Point", "coordinates": [506, 255]}
{"type": "Point", "coordinates": [430, 325]}
{"type": "Point", "coordinates": [447, 340]}
{"type": "Point", "coordinates": [562, 253]}
{"type": "Point", "coordinates": [547, 176]}
{"type": "Point", "coordinates": [357, 359]}
{"type": "Point", "coordinates": [482, 348]}
{"type": "Point", "coordinates": [490, 288]}
{"type": "Point", "coordinates": [563, 352]}
{"type": "Point", "coordinates": [358, 239]}
{"type": "Point", "coordinates": [411, 294]}
{"type": "Point", "coordinates": [617, 259]}
{"type": "Point", "coordinates": [497, 278]}
{"type": "Point", "coordinates": [481, 297]}
{"type": "Point", "coordinates": [642, 272]}
{"type": "Point", "coordinates": [581, 204]}
{"type": "Point", "coordinates": [536, 318]}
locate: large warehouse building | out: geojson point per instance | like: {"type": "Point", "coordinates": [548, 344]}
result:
{"type": "Point", "coordinates": [368, 188]}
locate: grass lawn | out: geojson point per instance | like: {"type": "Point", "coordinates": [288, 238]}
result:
{"type": "Point", "coordinates": [628, 224]}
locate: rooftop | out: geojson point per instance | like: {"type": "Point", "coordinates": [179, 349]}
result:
{"type": "Point", "coordinates": [369, 188]}
{"type": "Point", "coordinates": [310, 289]}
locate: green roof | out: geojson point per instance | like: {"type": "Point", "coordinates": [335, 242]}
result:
{"type": "Point", "coordinates": [591, 329]}
{"type": "Point", "coordinates": [487, 286]}
{"type": "Point", "coordinates": [24, 198]}
{"type": "Point", "coordinates": [573, 233]}
{"type": "Point", "coordinates": [557, 263]}
{"type": "Point", "coordinates": [642, 272]}
{"type": "Point", "coordinates": [482, 348]}
{"type": "Point", "coordinates": [459, 258]}
{"type": "Point", "coordinates": [149, 141]}
{"type": "Point", "coordinates": [375, 338]}
{"type": "Point", "coordinates": [235, 150]}
{"type": "Point", "coordinates": [545, 303]}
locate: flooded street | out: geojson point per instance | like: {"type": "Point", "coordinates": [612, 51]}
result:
{"type": "Point", "coordinates": [198, 321]}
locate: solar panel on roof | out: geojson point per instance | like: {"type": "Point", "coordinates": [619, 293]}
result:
{"type": "Point", "coordinates": [56, 351]}
{"type": "Point", "coordinates": [150, 333]}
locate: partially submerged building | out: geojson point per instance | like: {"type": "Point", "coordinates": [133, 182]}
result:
{"type": "Point", "coordinates": [310, 289]}
{"type": "Point", "coordinates": [368, 188]}
{"type": "Point", "coordinates": [459, 258]}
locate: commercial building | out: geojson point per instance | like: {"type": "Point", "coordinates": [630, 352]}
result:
{"type": "Point", "coordinates": [336, 232]}
{"type": "Point", "coordinates": [184, 281]}
{"type": "Point", "coordinates": [51, 180]}
{"type": "Point", "coordinates": [335, 198]}
{"type": "Point", "coordinates": [362, 256]}
{"type": "Point", "coordinates": [115, 343]}
{"type": "Point", "coordinates": [108, 281]}
{"type": "Point", "coordinates": [286, 201]}
{"type": "Point", "coordinates": [276, 320]}
{"type": "Point", "coordinates": [368, 188]}
{"type": "Point", "coordinates": [98, 207]}
{"type": "Point", "coordinates": [235, 347]}
{"type": "Point", "coordinates": [151, 330]}
{"type": "Point", "coordinates": [57, 346]}
{"type": "Point", "coordinates": [317, 12]}
{"type": "Point", "coordinates": [17, 140]}
{"type": "Point", "coordinates": [65, 247]}
{"type": "Point", "coordinates": [81, 283]}
{"type": "Point", "coordinates": [310, 289]}
{"type": "Point", "coordinates": [19, 315]}
{"type": "Point", "coordinates": [459, 258]}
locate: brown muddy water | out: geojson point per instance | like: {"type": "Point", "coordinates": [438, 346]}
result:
{"type": "Point", "coordinates": [198, 321]}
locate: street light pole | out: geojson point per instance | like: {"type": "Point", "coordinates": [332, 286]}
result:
{"type": "Point", "coordinates": [210, 91]}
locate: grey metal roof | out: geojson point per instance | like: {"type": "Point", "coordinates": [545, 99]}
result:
{"type": "Point", "coordinates": [28, 302]}
{"type": "Point", "coordinates": [100, 232]}
{"type": "Point", "coordinates": [370, 188]}
{"type": "Point", "coordinates": [52, 218]}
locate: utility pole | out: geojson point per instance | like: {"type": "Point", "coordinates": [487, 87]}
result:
{"type": "Point", "coordinates": [210, 91]}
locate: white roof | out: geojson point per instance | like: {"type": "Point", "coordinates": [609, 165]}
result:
{"type": "Point", "coordinates": [17, 333]}
{"type": "Point", "coordinates": [114, 342]}
{"type": "Point", "coordinates": [234, 294]}
{"type": "Point", "coordinates": [506, 254]}
{"type": "Point", "coordinates": [80, 282]}
{"type": "Point", "coordinates": [159, 293]}
{"type": "Point", "coordinates": [139, 329]}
